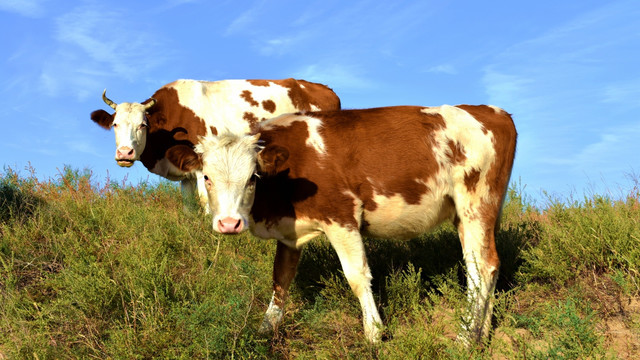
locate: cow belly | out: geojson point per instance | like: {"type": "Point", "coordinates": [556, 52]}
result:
{"type": "Point", "coordinates": [292, 232]}
{"type": "Point", "coordinates": [169, 171]}
{"type": "Point", "coordinates": [394, 218]}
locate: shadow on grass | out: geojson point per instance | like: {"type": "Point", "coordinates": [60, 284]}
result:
{"type": "Point", "coordinates": [435, 253]}
{"type": "Point", "coordinates": [16, 203]}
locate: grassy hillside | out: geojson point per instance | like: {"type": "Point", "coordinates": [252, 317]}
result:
{"type": "Point", "coordinates": [95, 270]}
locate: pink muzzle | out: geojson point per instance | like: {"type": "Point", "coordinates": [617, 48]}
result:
{"type": "Point", "coordinates": [230, 225]}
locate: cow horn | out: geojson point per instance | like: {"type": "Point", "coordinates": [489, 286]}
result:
{"type": "Point", "coordinates": [150, 104]}
{"type": "Point", "coordinates": [107, 100]}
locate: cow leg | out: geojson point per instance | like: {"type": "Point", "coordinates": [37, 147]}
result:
{"type": "Point", "coordinates": [203, 197]}
{"type": "Point", "coordinates": [350, 249]}
{"type": "Point", "coordinates": [187, 187]}
{"type": "Point", "coordinates": [482, 263]}
{"type": "Point", "coordinates": [194, 192]}
{"type": "Point", "coordinates": [284, 269]}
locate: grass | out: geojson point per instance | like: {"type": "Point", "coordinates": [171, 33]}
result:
{"type": "Point", "coordinates": [90, 270]}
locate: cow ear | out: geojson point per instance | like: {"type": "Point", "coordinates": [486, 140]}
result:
{"type": "Point", "coordinates": [272, 159]}
{"type": "Point", "coordinates": [102, 118]}
{"type": "Point", "coordinates": [184, 158]}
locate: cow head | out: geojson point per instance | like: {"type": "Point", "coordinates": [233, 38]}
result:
{"type": "Point", "coordinates": [230, 164]}
{"type": "Point", "coordinates": [130, 124]}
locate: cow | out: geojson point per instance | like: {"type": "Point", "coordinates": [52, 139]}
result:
{"type": "Point", "coordinates": [162, 131]}
{"type": "Point", "coordinates": [391, 172]}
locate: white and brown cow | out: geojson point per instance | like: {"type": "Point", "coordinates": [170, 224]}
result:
{"type": "Point", "coordinates": [162, 131]}
{"type": "Point", "coordinates": [392, 172]}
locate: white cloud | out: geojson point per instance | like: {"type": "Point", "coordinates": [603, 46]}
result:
{"type": "Point", "coordinates": [281, 45]}
{"type": "Point", "coordinates": [243, 22]}
{"type": "Point", "coordinates": [625, 93]}
{"type": "Point", "coordinates": [443, 69]}
{"type": "Point", "coordinates": [28, 8]}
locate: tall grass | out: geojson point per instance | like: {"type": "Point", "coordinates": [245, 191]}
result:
{"type": "Point", "coordinates": [91, 270]}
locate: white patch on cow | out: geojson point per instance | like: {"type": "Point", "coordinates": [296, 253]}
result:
{"type": "Point", "coordinates": [220, 103]}
{"type": "Point", "coordinates": [166, 169]}
{"type": "Point", "coordinates": [294, 233]}
{"type": "Point", "coordinates": [394, 218]}
{"type": "Point", "coordinates": [272, 317]}
{"type": "Point", "coordinates": [498, 110]}
{"type": "Point", "coordinates": [465, 131]}
{"type": "Point", "coordinates": [314, 138]}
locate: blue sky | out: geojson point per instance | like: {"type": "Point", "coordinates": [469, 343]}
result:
{"type": "Point", "coordinates": [569, 72]}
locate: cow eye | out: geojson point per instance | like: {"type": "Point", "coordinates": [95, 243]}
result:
{"type": "Point", "coordinates": [206, 178]}
{"type": "Point", "coordinates": [115, 125]}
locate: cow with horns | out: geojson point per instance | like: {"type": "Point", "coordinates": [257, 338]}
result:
{"type": "Point", "coordinates": [162, 131]}
{"type": "Point", "coordinates": [392, 172]}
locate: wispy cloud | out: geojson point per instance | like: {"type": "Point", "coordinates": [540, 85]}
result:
{"type": "Point", "coordinates": [625, 93]}
{"type": "Point", "coordinates": [443, 69]}
{"type": "Point", "coordinates": [28, 8]}
{"type": "Point", "coordinates": [93, 43]}
{"type": "Point", "coordinates": [556, 82]}
{"type": "Point", "coordinates": [243, 22]}
{"type": "Point", "coordinates": [611, 152]}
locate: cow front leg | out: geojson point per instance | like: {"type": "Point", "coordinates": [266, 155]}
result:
{"type": "Point", "coordinates": [203, 197]}
{"type": "Point", "coordinates": [194, 193]}
{"type": "Point", "coordinates": [284, 270]}
{"type": "Point", "coordinates": [350, 249]}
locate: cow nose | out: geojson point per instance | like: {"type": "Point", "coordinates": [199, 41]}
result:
{"type": "Point", "coordinates": [124, 153]}
{"type": "Point", "coordinates": [230, 225]}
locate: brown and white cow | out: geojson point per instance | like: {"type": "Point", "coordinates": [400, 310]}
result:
{"type": "Point", "coordinates": [162, 131]}
{"type": "Point", "coordinates": [392, 172]}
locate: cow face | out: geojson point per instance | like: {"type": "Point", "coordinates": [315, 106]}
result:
{"type": "Point", "coordinates": [130, 124]}
{"type": "Point", "coordinates": [229, 167]}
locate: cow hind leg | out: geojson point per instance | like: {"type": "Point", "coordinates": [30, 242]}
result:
{"type": "Point", "coordinates": [476, 226]}
{"type": "Point", "coordinates": [350, 249]}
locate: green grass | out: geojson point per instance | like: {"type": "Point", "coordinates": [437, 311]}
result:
{"type": "Point", "coordinates": [90, 270]}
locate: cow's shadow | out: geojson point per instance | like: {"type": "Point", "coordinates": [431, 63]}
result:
{"type": "Point", "coordinates": [435, 254]}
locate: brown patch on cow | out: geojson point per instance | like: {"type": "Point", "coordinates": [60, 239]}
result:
{"type": "Point", "coordinates": [471, 180]}
{"type": "Point", "coordinates": [184, 158]}
{"type": "Point", "coordinates": [213, 129]}
{"type": "Point", "coordinates": [325, 185]}
{"type": "Point", "coordinates": [456, 153]}
{"type": "Point", "coordinates": [265, 83]}
{"type": "Point", "coordinates": [269, 106]}
{"type": "Point", "coordinates": [248, 97]}
{"type": "Point", "coordinates": [302, 97]}
{"type": "Point", "coordinates": [170, 125]}
{"type": "Point", "coordinates": [252, 119]}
